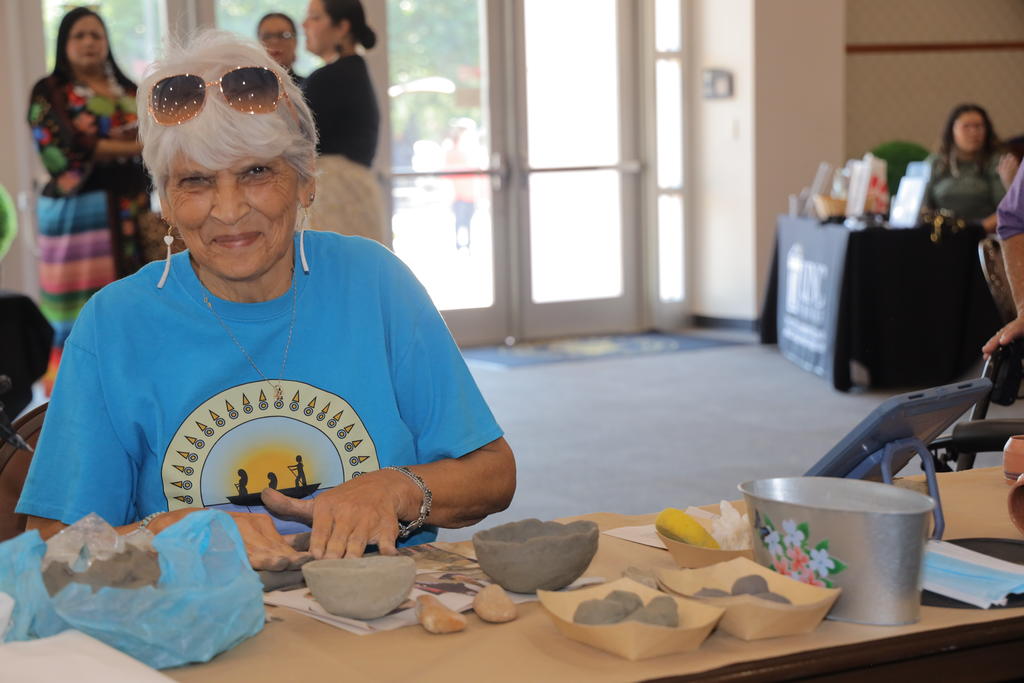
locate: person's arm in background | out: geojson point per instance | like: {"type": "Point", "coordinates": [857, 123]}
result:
{"type": "Point", "coordinates": [1011, 226]}
{"type": "Point", "coordinates": [1001, 174]}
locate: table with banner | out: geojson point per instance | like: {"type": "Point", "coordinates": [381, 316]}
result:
{"type": "Point", "coordinates": [877, 307]}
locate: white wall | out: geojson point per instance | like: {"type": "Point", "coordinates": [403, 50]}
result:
{"type": "Point", "coordinates": [749, 152]}
{"type": "Point", "coordinates": [21, 30]}
{"type": "Point", "coordinates": [720, 191]}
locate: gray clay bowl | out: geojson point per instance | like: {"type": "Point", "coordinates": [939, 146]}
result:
{"type": "Point", "coordinates": [532, 555]}
{"type": "Point", "coordinates": [360, 587]}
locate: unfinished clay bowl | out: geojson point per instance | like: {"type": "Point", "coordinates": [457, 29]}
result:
{"type": "Point", "coordinates": [360, 587]}
{"type": "Point", "coordinates": [530, 554]}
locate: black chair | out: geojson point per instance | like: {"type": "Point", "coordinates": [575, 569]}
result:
{"type": "Point", "coordinates": [978, 434]}
{"type": "Point", "coordinates": [14, 464]}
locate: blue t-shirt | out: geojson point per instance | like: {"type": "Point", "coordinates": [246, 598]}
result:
{"type": "Point", "coordinates": [157, 406]}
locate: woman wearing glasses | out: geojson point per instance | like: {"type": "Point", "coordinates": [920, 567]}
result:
{"type": "Point", "coordinates": [344, 106]}
{"type": "Point", "coordinates": [84, 123]}
{"type": "Point", "coordinates": [969, 173]}
{"type": "Point", "coordinates": [276, 32]}
{"type": "Point", "coordinates": [259, 347]}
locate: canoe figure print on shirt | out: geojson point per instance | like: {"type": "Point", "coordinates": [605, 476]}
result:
{"type": "Point", "coordinates": [239, 442]}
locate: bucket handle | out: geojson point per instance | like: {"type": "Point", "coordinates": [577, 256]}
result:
{"type": "Point", "coordinates": [890, 451]}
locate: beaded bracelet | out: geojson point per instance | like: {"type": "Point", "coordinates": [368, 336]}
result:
{"type": "Point", "coordinates": [404, 530]}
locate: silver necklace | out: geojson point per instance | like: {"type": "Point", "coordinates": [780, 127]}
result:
{"type": "Point", "coordinates": [278, 392]}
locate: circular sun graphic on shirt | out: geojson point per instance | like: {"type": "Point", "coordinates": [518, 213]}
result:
{"type": "Point", "coordinates": [239, 442]}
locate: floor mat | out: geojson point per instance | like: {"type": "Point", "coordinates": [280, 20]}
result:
{"type": "Point", "coordinates": [589, 348]}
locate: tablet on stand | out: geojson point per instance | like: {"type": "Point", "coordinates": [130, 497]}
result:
{"type": "Point", "coordinates": [898, 430]}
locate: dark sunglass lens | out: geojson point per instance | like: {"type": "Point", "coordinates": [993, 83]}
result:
{"type": "Point", "coordinates": [250, 89]}
{"type": "Point", "coordinates": [177, 99]}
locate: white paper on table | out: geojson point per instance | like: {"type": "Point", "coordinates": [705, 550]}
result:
{"type": "Point", "coordinates": [645, 534]}
{"type": "Point", "coordinates": [72, 656]}
{"type": "Point", "coordinates": [303, 602]}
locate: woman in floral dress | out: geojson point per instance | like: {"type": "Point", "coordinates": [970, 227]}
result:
{"type": "Point", "coordinates": [84, 122]}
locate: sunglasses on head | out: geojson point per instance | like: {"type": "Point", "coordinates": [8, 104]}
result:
{"type": "Point", "coordinates": [247, 89]}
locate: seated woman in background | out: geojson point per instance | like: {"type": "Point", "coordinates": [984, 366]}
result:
{"type": "Point", "coordinates": [969, 173]}
{"type": "Point", "coordinates": [314, 362]}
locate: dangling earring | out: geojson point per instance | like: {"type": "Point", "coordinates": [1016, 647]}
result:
{"type": "Point", "coordinates": [302, 235]}
{"type": "Point", "coordinates": [168, 240]}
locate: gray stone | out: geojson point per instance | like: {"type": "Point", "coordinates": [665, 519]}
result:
{"type": "Point", "coordinates": [660, 611]}
{"type": "Point", "coordinates": [641, 576]}
{"type": "Point", "coordinates": [628, 599]}
{"type": "Point", "coordinates": [360, 587]}
{"type": "Point", "coordinates": [711, 593]}
{"type": "Point", "coordinates": [599, 612]}
{"type": "Point", "coordinates": [530, 554]}
{"type": "Point", "coordinates": [774, 597]}
{"type": "Point", "coordinates": [752, 583]}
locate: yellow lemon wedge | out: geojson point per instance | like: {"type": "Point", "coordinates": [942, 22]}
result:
{"type": "Point", "coordinates": [679, 526]}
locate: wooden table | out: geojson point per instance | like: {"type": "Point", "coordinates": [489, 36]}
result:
{"type": "Point", "coordinates": [947, 644]}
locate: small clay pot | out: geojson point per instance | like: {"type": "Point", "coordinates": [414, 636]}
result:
{"type": "Point", "coordinates": [360, 587]}
{"type": "Point", "coordinates": [1013, 459]}
{"type": "Point", "coordinates": [530, 554]}
{"type": "Point", "coordinates": [1015, 504]}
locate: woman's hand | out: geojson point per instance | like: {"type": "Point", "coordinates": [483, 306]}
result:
{"type": "Point", "coordinates": [1007, 168]}
{"type": "Point", "coordinates": [1009, 332]}
{"type": "Point", "coordinates": [362, 511]}
{"type": "Point", "coordinates": [266, 548]}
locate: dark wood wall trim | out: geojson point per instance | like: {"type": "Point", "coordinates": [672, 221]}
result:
{"type": "Point", "coordinates": [933, 47]}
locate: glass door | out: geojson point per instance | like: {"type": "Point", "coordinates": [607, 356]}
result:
{"type": "Point", "coordinates": [514, 195]}
{"type": "Point", "coordinates": [579, 199]}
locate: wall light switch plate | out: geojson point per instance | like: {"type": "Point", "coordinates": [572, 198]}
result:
{"type": "Point", "coordinates": [717, 84]}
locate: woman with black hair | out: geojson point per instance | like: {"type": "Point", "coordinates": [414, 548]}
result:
{"type": "Point", "coordinates": [84, 123]}
{"type": "Point", "coordinates": [969, 174]}
{"type": "Point", "coordinates": [344, 105]}
{"type": "Point", "coordinates": [277, 34]}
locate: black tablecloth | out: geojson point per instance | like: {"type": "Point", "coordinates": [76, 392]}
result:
{"type": "Point", "coordinates": [25, 340]}
{"type": "Point", "coordinates": [910, 313]}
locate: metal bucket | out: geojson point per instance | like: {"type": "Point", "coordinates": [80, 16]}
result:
{"type": "Point", "coordinates": [864, 537]}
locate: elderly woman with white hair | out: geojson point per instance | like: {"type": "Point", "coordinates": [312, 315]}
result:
{"type": "Point", "coordinates": [262, 357]}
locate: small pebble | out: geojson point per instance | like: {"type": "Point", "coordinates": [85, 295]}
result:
{"type": "Point", "coordinates": [628, 599]}
{"type": "Point", "coordinates": [711, 593]}
{"type": "Point", "coordinates": [774, 597]}
{"type": "Point", "coordinates": [660, 611]}
{"type": "Point", "coordinates": [641, 576]}
{"type": "Point", "coordinates": [493, 604]}
{"type": "Point", "coordinates": [752, 583]}
{"type": "Point", "coordinates": [437, 618]}
{"type": "Point", "coordinates": [599, 612]}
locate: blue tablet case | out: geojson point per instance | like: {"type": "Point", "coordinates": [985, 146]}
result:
{"type": "Point", "coordinates": [896, 431]}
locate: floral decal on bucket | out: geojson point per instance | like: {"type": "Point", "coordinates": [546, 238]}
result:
{"type": "Point", "coordinates": [792, 554]}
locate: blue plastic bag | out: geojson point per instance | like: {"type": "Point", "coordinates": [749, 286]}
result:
{"type": "Point", "coordinates": [207, 600]}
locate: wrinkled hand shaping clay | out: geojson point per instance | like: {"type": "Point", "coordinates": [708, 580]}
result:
{"type": "Point", "coordinates": [133, 568]}
{"type": "Point", "coordinates": [530, 554]}
{"type": "Point", "coordinates": [641, 576]}
{"type": "Point", "coordinates": [437, 618]}
{"type": "Point", "coordinates": [659, 611]}
{"type": "Point", "coordinates": [493, 604]}
{"type": "Point", "coordinates": [619, 606]}
{"type": "Point", "coordinates": [360, 587]}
